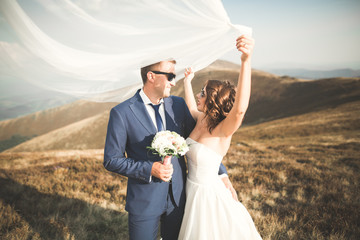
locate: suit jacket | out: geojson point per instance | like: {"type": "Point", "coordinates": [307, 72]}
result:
{"type": "Point", "coordinates": [130, 131]}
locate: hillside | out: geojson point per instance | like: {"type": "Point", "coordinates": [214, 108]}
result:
{"type": "Point", "coordinates": [283, 97]}
{"type": "Point", "coordinates": [45, 121]}
{"type": "Point", "coordinates": [307, 135]}
{"type": "Point", "coordinates": [316, 74]}
{"type": "Point", "coordinates": [273, 97]}
{"type": "Point", "coordinates": [298, 177]}
{"type": "Point", "coordinates": [88, 133]}
{"type": "Point", "coordinates": [19, 97]}
{"type": "Point", "coordinates": [294, 164]}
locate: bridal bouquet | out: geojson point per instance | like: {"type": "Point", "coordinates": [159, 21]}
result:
{"type": "Point", "coordinates": [167, 144]}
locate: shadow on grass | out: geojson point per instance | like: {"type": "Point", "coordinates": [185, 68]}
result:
{"type": "Point", "coordinates": [56, 217]}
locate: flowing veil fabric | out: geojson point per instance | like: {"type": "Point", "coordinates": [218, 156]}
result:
{"type": "Point", "coordinates": [94, 49]}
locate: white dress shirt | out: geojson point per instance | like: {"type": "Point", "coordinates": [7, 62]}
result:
{"type": "Point", "coordinates": [151, 110]}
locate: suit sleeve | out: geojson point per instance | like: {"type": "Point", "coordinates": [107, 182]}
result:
{"type": "Point", "coordinates": [115, 159]}
{"type": "Point", "coordinates": [222, 169]}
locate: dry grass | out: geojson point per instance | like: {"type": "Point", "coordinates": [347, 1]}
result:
{"type": "Point", "coordinates": [298, 177]}
{"type": "Point", "coordinates": [60, 195]}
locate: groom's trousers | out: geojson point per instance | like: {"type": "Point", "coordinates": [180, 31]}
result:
{"type": "Point", "coordinates": [146, 227]}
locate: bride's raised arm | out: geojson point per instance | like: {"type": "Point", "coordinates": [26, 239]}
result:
{"type": "Point", "coordinates": [236, 115]}
{"type": "Point", "coordinates": [189, 94]}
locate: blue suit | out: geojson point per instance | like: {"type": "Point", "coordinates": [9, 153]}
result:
{"type": "Point", "coordinates": [130, 131]}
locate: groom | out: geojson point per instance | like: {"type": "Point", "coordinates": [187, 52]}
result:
{"type": "Point", "coordinates": [151, 197]}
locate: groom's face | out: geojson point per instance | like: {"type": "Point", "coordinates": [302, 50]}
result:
{"type": "Point", "coordinates": [162, 84]}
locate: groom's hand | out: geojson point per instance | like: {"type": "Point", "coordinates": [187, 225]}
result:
{"type": "Point", "coordinates": [161, 171]}
{"type": "Point", "coordinates": [229, 186]}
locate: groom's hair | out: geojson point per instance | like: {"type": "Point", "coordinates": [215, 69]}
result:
{"type": "Point", "coordinates": [152, 67]}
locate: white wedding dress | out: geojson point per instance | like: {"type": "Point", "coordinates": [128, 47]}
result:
{"type": "Point", "coordinates": [210, 210]}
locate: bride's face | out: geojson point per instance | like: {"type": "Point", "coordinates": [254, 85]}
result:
{"type": "Point", "coordinates": [201, 97]}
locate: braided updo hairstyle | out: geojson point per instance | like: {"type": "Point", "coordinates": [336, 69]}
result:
{"type": "Point", "coordinates": [220, 97]}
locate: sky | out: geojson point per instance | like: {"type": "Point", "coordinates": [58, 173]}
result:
{"type": "Point", "coordinates": [316, 34]}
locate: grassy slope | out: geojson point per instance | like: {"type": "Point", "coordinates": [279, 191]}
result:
{"type": "Point", "coordinates": [45, 121]}
{"type": "Point", "coordinates": [88, 133]}
{"type": "Point", "coordinates": [272, 98]}
{"type": "Point", "coordinates": [294, 164]}
{"type": "Point", "coordinates": [60, 195]}
{"type": "Point", "coordinates": [298, 177]}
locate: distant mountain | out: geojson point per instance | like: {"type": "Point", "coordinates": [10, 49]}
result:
{"type": "Point", "coordinates": [315, 74]}
{"type": "Point", "coordinates": [42, 122]}
{"type": "Point", "coordinates": [274, 97]}
{"type": "Point", "coordinates": [88, 133]}
{"type": "Point", "coordinates": [19, 97]}
{"type": "Point", "coordinates": [82, 125]}
{"type": "Point", "coordinates": [13, 107]}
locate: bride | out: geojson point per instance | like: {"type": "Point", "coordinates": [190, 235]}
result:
{"type": "Point", "coordinates": [211, 212]}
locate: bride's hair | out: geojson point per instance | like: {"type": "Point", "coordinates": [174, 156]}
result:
{"type": "Point", "coordinates": [220, 97]}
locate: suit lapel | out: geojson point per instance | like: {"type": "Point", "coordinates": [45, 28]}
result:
{"type": "Point", "coordinates": [140, 112]}
{"type": "Point", "coordinates": [169, 114]}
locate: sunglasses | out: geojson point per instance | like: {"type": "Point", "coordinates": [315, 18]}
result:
{"type": "Point", "coordinates": [170, 76]}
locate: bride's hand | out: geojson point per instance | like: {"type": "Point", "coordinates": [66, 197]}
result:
{"type": "Point", "coordinates": [245, 44]}
{"type": "Point", "coordinates": [189, 74]}
{"type": "Point", "coordinates": [229, 186]}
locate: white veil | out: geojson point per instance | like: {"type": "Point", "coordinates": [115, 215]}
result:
{"type": "Point", "coordinates": [94, 49]}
